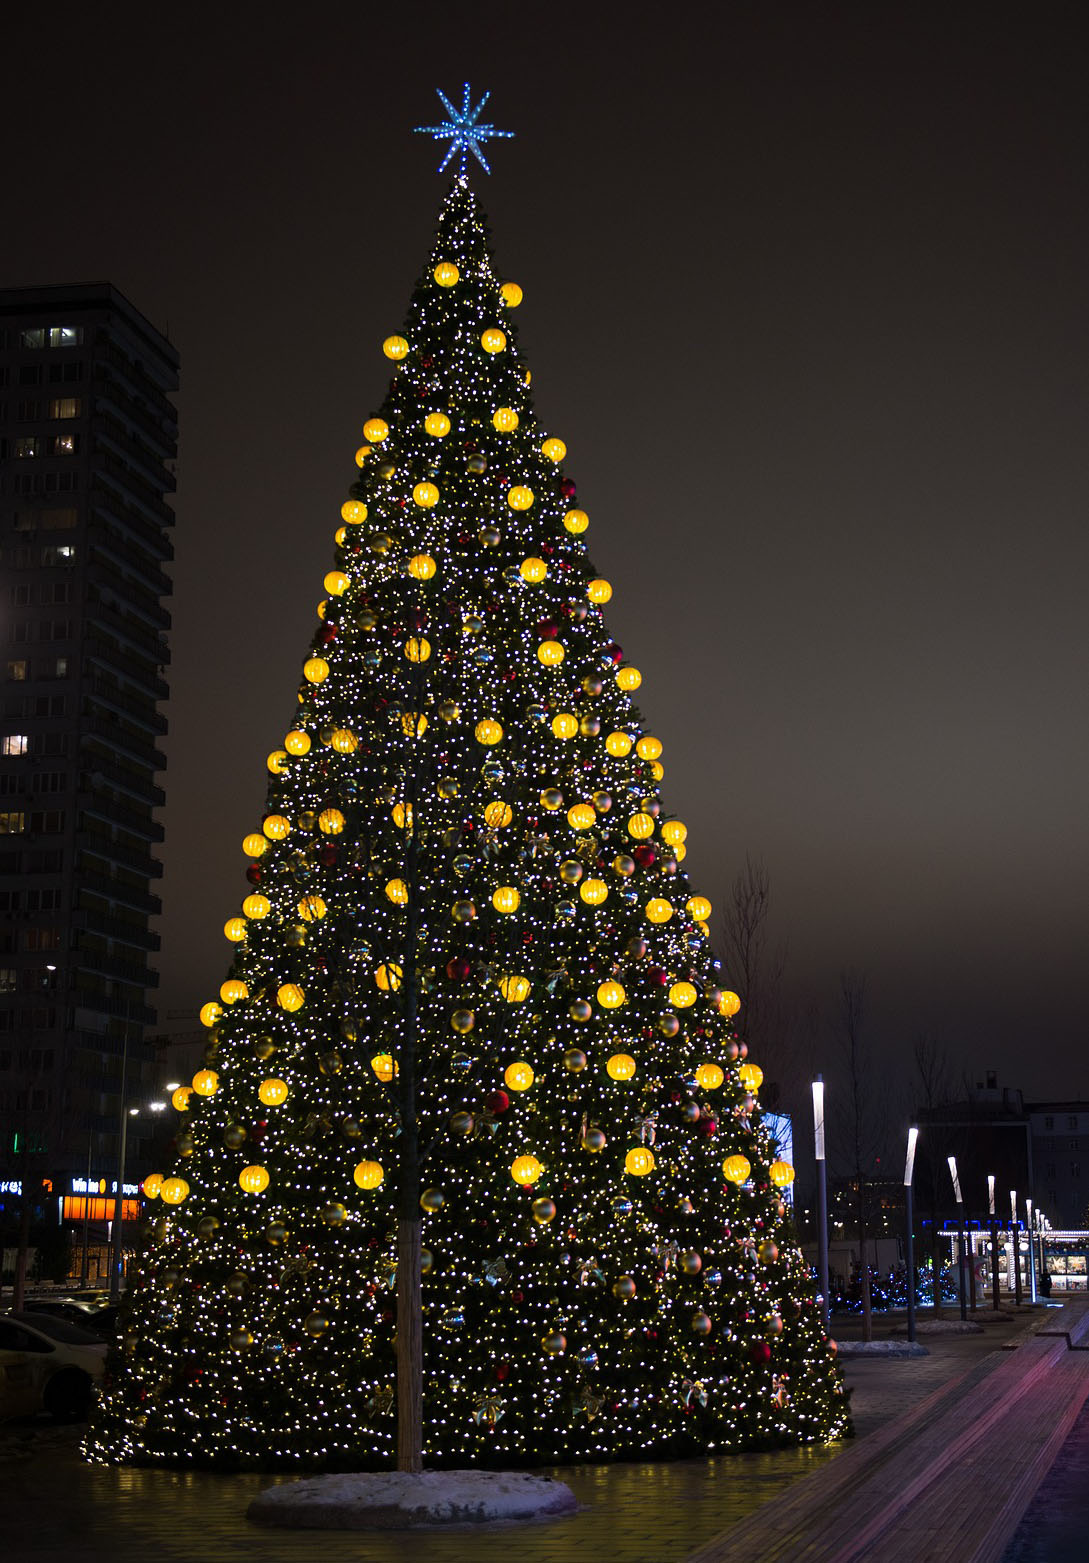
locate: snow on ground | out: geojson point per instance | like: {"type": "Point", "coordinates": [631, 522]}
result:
{"type": "Point", "coordinates": [397, 1500]}
{"type": "Point", "coordinates": [881, 1348]}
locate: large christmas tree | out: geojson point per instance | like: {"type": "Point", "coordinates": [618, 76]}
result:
{"type": "Point", "coordinates": [471, 988]}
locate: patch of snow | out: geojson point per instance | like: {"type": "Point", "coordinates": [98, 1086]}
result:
{"type": "Point", "coordinates": [881, 1348]}
{"type": "Point", "coordinates": [398, 1500]}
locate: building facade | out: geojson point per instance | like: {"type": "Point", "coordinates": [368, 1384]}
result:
{"type": "Point", "coordinates": [87, 446]}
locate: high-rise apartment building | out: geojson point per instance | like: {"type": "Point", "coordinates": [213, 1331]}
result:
{"type": "Point", "coordinates": [87, 445]}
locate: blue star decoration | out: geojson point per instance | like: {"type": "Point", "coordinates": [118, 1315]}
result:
{"type": "Point", "coordinates": [463, 130]}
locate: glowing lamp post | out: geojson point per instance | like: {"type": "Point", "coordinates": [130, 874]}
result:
{"type": "Point", "coordinates": [961, 1280]}
{"type": "Point", "coordinates": [822, 1195]}
{"type": "Point", "coordinates": [993, 1222]}
{"type": "Point", "coordinates": [1031, 1251]}
{"type": "Point", "coordinates": [909, 1173]}
{"type": "Point", "coordinates": [1015, 1245]}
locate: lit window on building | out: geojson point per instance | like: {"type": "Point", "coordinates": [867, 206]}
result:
{"type": "Point", "coordinates": [18, 669]}
{"type": "Point", "coordinates": [15, 743]}
{"type": "Point", "coordinates": [65, 407]}
{"type": "Point", "coordinates": [64, 445]}
{"type": "Point", "coordinates": [12, 822]}
{"type": "Point", "coordinates": [65, 336]}
{"type": "Point", "coordinates": [26, 445]}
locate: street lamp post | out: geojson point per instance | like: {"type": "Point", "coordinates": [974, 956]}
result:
{"type": "Point", "coordinates": [960, 1237]}
{"type": "Point", "coordinates": [1031, 1251]}
{"type": "Point", "coordinates": [1015, 1245]}
{"type": "Point", "coordinates": [993, 1218]}
{"type": "Point", "coordinates": [822, 1196]}
{"type": "Point", "coordinates": [909, 1172]}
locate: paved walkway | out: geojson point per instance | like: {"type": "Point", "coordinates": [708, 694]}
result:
{"type": "Point", "coordinates": [54, 1507]}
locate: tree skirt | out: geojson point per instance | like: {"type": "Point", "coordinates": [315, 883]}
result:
{"type": "Point", "coordinates": [396, 1500]}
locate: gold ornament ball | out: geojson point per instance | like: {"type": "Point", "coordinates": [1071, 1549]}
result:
{"type": "Point", "coordinates": [388, 977]}
{"type": "Point", "coordinates": [581, 816]}
{"type": "Point", "coordinates": [397, 892]}
{"type": "Point", "coordinates": [353, 510]}
{"type": "Point", "coordinates": [375, 430]}
{"type": "Point", "coordinates": [277, 1233]}
{"type": "Point", "coordinates": [599, 591]}
{"type": "Point", "coordinates": [610, 995]}
{"type": "Point", "coordinates": [593, 892]}
{"type": "Point", "coordinates": [658, 910]}
{"type": "Point", "coordinates": [674, 832]}
{"type": "Point", "coordinates": [334, 1214]}
{"type": "Point", "coordinates": [152, 1185]}
{"type": "Point", "coordinates": [554, 449]}
{"type": "Point", "coordinates": [432, 1200]}
{"type": "Point", "coordinates": [315, 670]}
{"type": "Point", "coordinates": [463, 1021]}
{"type": "Point", "coordinates": [368, 1174]}
{"type": "Point", "coordinates": [256, 906]}
{"type": "Point", "coordinates": [574, 1059]}
{"type": "Point", "coordinates": [640, 826]}
{"type": "Point", "coordinates": [514, 988]}
{"type": "Point", "coordinates": [552, 798]}
{"type": "Point", "coordinates": [234, 1136]}
{"type": "Point", "coordinates": [526, 1170]}
{"type": "Point", "coordinates": [315, 1324]}
{"type": "Point", "coordinates": [235, 929]}
{"type": "Point", "coordinates": [232, 991]}
{"type": "Point", "coordinates": [544, 1210]}
{"type": "Point", "coordinates": [206, 1082]}
{"type": "Point", "coordinates": [699, 908]}
{"type": "Point", "coordinates": [311, 908]}
{"type": "Point", "coordinates": [564, 725]}
{"type": "Point", "coordinates": [277, 762]}
{"type": "Point", "coordinates": [384, 1067]}
{"type": "Point", "coordinates": [533, 570]}
{"type": "Point", "coordinates": [629, 679]}
{"type": "Point", "coordinates": [505, 420]}
{"type": "Point", "coordinates": [254, 845]}
{"type": "Point", "coordinates": [580, 1010]}
{"type": "Point", "coordinates": [290, 997]}
{"type": "Point", "coordinates": [682, 995]}
{"type": "Point", "coordinates": [736, 1169]}
{"type": "Point", "coordinates": [462, 1123]}
{"type": "Point", "coordinates": [624, 1288]}
{"type": "Point", "coordinates": [648, 748]}
{"type": "Point", "coordinates": [336, 583]}
{"type": "Point", "coordinates": [594, 1141]}
{"type": "Point", "coordinates": [576, 521]}
{"type": "Point", "coordinates": [519, 497]}
{"type": "Point", "coordinates": [768, 1251]}
{"type": "Point", "coordinates": [498, 814]}
{"type": "Point", "coordinates": [518, 1076]}
{"type": "Point", "coordinates": [426, 495]}
{"type": "Point", "coordinates": [728, 1004]}
{"type": "Point", "coordinates": [173, 1191]}
{"type": "Point", "coordinates": [395, 347]}
{"type": "Point", "coordinates": [709, 1076]}
{"type": "Point", "coordinates": [437, 424]}
{"type": "Point", "coordinates": [621, 1066]}
{"type": "Point", "coordinates": [751, 1076]}
{"type": "Point", "coordinates": [781, 1174]}
{"type": "Point", "coordinates": [506, 899]}
{"type": "Point", "coordinates": [700, 1323]}
{"type": "Point", "coordinates": [446, 274]}
{"type": "Point", "coordinates": [296, 743]}
{"type": "Point", "coordinates": [488, 732]}
{"type": "Point", "coordinates": [639, 1161]}
{"type": "Point", "coordinates": [623, 865]}
{"type": "Point", "coordinates": [180, 1099]}
{"type": "Point", "coordinates": [253, 1180]}
{"type": "Point", "coordinates": [691, 1263]}
{"type": "Point", "coordinates": [551, 653]}
{"type": "Point", "coordinates": [511, 294]}
{"type": "Point", "coordinates": [618, 745]}
{"type": "Point", "coordinates": [554, 1344]}
{"type": "Point", "coordinates": [273, 1092]}
{"type": "Point", "coordinates": [418, 649]}
{"type": "Point", "coordinates": [276, 827]}
{"type": "Point", "coordinates": [422, 567]}
{"type": "Point", "coordinates": [493, 340]}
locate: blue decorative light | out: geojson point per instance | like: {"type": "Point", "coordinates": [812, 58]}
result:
{"type": "Point", "coordinates": [462, 129]}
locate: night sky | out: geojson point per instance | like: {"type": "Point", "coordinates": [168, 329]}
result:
{"type": "Point", "coordinates": [805, 294]}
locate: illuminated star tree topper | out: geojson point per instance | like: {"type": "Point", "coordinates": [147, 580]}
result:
{"type": "Point", "coordinates": [464, 133]}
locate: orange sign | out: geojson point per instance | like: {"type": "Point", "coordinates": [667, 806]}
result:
{"type": "Point", "coordinates": [76, 1208]}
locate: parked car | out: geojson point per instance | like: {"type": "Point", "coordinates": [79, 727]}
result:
{"type": "Point", "coordinates": [99, 1318]}
{"type": "Point", "coordinates": [48, 1364]}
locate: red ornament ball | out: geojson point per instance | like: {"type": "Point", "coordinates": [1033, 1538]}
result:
{"type": "Point", "coordinates": [458, 969]}
{"type": "Point", "coordinates": [759, 1353]}
{"type": "Point", "coordinates": [497, 1101]}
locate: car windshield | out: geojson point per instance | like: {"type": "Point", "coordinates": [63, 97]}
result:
{"type": "Point", "coordinates": [57, 1329]}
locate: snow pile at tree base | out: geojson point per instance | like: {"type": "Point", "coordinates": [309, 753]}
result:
{"type": "Point", "coordinates": [943, 1327]}
{"type": "Point", "coordinates": [397, 1500]}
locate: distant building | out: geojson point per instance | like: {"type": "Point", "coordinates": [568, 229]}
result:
{"type": "Point", "coordinates": [1039, 1149]}
{"type": "Point", "coordinates": [87, 445]}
